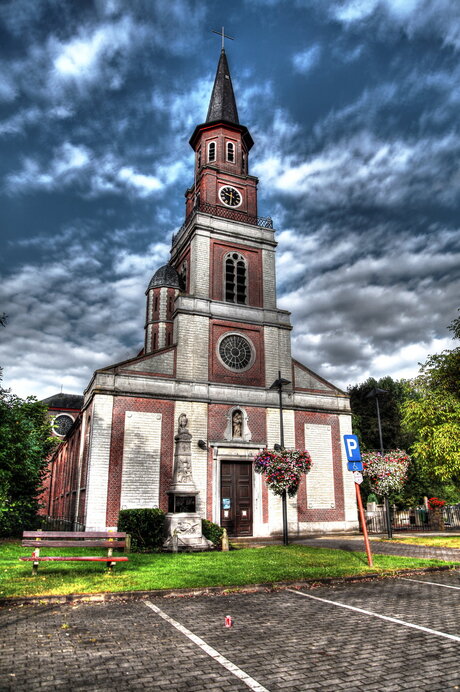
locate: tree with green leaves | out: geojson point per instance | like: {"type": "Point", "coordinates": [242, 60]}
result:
{"type": "Point", "coordinates": [364, 414]}
{"type": "Point", "coordinates": [432, 414]}
{"type": "Point", "coordinates": [25, 444]}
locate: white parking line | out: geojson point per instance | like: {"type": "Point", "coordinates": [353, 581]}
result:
{"type": "Point", "coordinates": [377, 615]}
{"type": "Point", "coordinates": [433, 583]}
{"type": "Point", "coordinates": [244, 677]}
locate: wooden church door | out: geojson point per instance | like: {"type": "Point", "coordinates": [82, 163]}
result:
{"type": "Point", "coordinates": [236, 498]}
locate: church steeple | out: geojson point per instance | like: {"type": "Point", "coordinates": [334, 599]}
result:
{"type": "Point", "coordinates": [222, 182]}
{"type": "Point", "coordinates": [222, 105]}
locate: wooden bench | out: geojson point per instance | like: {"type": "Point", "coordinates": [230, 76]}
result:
{"type": "Point", "coordinates": [75, 539]}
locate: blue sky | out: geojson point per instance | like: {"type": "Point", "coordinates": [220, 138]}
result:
{"type": "Point", "coordinates": [353, 106]}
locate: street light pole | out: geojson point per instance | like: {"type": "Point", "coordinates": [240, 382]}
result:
{"type": "Point", "coordinates": [374, 393]}
{"type": "Point", "coordinates": [278, 384]}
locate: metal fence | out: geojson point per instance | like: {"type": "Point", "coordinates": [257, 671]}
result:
{"type": "Point", "coordinates": [413, 519]}
{"type": "Point", "coordinates": [61, 524]}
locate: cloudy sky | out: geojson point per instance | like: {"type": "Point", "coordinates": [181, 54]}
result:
{"type": "Point", "coordinates": [353, 106]}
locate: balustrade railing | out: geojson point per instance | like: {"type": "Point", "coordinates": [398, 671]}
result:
{"type": "Point", "coordinates": [226, 213]}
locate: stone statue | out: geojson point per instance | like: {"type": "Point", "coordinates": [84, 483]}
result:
{"type": "Point", "coordinates": [237, 424]}
{"type": "Point", "coordinates": [183, 423]}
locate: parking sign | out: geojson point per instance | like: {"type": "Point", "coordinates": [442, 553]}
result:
{"type": "Point", "coordinates": [352, 447]}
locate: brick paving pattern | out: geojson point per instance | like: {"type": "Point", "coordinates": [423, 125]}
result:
{"type": "Point", "coordinates": [281, 639]}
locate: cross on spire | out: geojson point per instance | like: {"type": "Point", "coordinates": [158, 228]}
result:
{"type": "Point", "coordinates": [223, 36]}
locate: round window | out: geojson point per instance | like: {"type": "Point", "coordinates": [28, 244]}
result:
{"type": "Point", "coordinates": [62, 424]}
{"type": "Point", "coordinates": [236, 352]}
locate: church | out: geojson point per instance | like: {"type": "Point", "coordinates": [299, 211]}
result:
{"type": "Point", "coordinates": [217, 352]}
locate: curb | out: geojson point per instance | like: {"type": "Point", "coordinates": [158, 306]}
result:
{"type": "Point", "coordinates": [269, 587]}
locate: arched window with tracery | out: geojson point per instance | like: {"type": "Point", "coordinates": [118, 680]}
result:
{"type": "Point", "coordinates": [235, 278]}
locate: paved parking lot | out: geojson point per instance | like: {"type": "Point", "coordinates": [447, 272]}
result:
{"type": "Point", "coordinates": [392, 634]}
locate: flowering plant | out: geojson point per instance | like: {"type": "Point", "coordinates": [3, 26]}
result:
{"type": "Point", "coordinates": [283, 469]}
{"type": "Point", "coordinates": [435, 502]}
{"type": "Point", "coordinates": [387, 473]}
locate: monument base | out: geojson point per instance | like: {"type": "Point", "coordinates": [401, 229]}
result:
{"type": "Point", "coordinates": [184, 533]}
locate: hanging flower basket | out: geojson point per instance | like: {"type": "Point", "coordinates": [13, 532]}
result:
{"type": "Point", "coordinates": [283, 469]}
{"type": "Point", "coordinates": [388, 473]}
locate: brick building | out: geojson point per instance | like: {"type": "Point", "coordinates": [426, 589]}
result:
{"type": "Point", "coordinates": [215, 342]}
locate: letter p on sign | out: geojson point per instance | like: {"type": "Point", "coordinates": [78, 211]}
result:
{"type": "Point", "coordinates": [352, 447]}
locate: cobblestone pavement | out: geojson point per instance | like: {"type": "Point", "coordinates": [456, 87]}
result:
{"type": "Point", "coordinates": [283, 640]}
{"type": "Point", "coordinates": [384, 548]}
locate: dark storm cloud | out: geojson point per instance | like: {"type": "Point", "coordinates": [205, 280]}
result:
{"type": "Point", "coordinates": [357, 145]}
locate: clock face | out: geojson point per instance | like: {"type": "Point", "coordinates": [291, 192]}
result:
{"type": "Point", "coordinates": [235, 352]}
{"type": "Point", "coordinates": [230, 196]}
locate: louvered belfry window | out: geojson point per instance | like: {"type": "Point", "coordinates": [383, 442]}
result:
{"type": "Point", "coordinates": [212, 151]}
{"type": "Point", "coordinates": [235, 278]}
{"type": "Point", "coordinates": [230, 152]}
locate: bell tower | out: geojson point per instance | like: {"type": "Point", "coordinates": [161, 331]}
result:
{"type": "Point", "coordinates": [227, 327]}
{"type": "Point", "coordinates": [221, 148]}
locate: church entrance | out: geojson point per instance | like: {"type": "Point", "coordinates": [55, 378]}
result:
{"type": "Point", "coordinates": [236, 498]}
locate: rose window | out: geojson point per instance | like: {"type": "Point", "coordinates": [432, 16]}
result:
{"type": "Point", "coordinates": [235, 352]}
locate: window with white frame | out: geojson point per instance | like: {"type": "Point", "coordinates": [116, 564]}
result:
{"type": "Point", "coordinates": [211, 151]}
{"type": "Point", "coordinates": [231, 152]}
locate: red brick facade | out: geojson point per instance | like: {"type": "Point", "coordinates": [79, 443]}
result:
{"type": "Point", "coordinates": [316, 515]}
{"type": "Point", "coordinates": [253, 259]}
{"type": "Point", "coordinates": [121, 405]}
{"type": "Point", "coordinates": [255, 375]}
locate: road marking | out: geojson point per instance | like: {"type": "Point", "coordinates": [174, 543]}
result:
{"type": "Point", "coordinates": [377, 615]}
{"type": "Point", "coordinates": [433, 583]}
{"type": "Point", "coordinates": [244, 677]}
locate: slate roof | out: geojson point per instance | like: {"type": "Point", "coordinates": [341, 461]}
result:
{"type": "Point", "coordinates": [165, 276]}
{"type": "Point", "coordinates": [222, 105]}
{"type": "Point", "coordinates": [62, 400]}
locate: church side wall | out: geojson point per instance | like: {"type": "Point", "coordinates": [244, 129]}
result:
{"type": "Point", "coordinates": [98, 463]}
{"type": "Point", "coordinates": [143, 438]}
{"type": "Point", "coordinates": [322, 501]}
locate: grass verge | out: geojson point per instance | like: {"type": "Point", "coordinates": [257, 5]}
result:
{"type": "Point", "coordinates": [429, 541]}
{"type": "Point", "coordinates": [187, 570]}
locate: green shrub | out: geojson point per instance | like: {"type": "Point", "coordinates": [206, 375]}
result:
{"type": "Point", "coordinates": [213, 533]}
{"type": "Point", "coordinates": [17, 517]}
{"type": "Point", "coordinates": [146, 527]}
{"type": "Point", "coordinates": [372, 497]}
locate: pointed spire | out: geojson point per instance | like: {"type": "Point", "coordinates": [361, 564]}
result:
{"type": "Point", "coordinates": [222, 105]}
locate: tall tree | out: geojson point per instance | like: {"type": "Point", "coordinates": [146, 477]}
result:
{"type": "Point", "coordinates": [25, 443]}
{"type": "Point", "coordinates": [364, 413]}
{"type": "Point", "coordinates": [432, 415]}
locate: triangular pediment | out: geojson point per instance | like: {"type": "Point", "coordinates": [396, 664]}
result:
{"type": "Point", "coordinates": [307, 380]}
{"type": "Point", "coordinates": [159, 363]}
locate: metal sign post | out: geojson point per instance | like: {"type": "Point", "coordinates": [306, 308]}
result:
{"type": "Point", "coordinates": [356, 466]}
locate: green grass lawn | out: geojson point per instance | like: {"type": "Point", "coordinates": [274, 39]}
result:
{"type": "Point", "coordinates": [430, 541]}
{"type": "Point", "coordinates": [185, 570]}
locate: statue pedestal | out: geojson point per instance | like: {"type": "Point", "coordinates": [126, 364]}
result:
{"type": "Point", "coordinates": [183, 526]}
{"type": "Point", "coordinates": [184, 531]}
